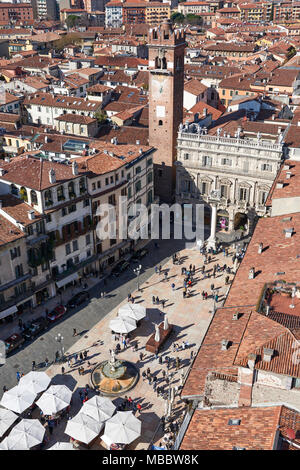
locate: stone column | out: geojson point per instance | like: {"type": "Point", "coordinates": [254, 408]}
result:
{"type": "Point", "coordinates": [211, 242]}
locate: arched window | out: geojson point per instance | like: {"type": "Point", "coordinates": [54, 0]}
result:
{"type": "Point", "coordinates": [60, 193]}
{"type": "Point", "coordinates": [23, 194]}
{"type": "Point", "coordinates": [33, 197]}
{"type": "Point", "coordinates": [157, 63]}
{"type": "Point", "coordinates": [163, 63]}
{"type": "Point", "coordinates": [71, 189]}
{"type": "Point", "coordinates": [82, 188]}
{"type": "Point", "coordinates": [14, 190]}
{"type": "Point", "coordinates": [48, 197]}
{"type": "Point", "coordinates": [160, 123]}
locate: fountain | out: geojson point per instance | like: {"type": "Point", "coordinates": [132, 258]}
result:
{"type": "Point", "coordinates": [114, 377]}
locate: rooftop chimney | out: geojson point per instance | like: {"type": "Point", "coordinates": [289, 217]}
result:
{"type": "Point", "coordinates": [288, 175]}
{"type": "Point", "coordinates": [251, 273]}
{"type": "Point", "coordinates": [75, 168]}
{"type": "Point", "coordinates": [235, 316]}
{"type": "Point", "coordinates": [31, 215]}
{"type": "Point", "coordinates": [268, 354]}
{"type": "Point", "coordinates": [52, 176]}
{"type": "Point", "coordinates": [224, 345]}
{"type": "Point", "coordinates": [260, 248]}
{"type": "Point", "coordinates": [251, 360]}
{"type": "Point", "coordinates": [2, 172]}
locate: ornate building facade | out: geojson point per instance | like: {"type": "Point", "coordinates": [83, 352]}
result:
{"type": "Point", "coordinates": [239, 170]}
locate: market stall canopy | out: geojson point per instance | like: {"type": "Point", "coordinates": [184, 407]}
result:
{"type": "Point", "coordinates": [35, 382]}
{"type": "Point", "coordinates": [122, 325]}
{"type": "Point", "coordinates": [83, 428]}
{"type": "Point", "coordinates": [55, 399]}
{"type": "Point", "coordinates": [123, 428]}
{"type": "Point", "coordinates": [17, 399]}
{"type": "Point", "coordinates": [26, 434]}
{"type": "Point", "coordinates": [7, 418]}
{"type": "Point", "coordinates": [99, 408]}
{"type": "Point", "coordinates": [135, 311]}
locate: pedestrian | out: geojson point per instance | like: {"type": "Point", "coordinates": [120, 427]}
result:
{"type": "Point", "coordinates": [148, 371]}
{"type": "Point", "coordinates": [139, 408]}
{"type": "Point", "coordinates": [164, 374]}
{"type": "Point", "coordinates": [56, 356]}
{"type": "Point", "coordinates": [163, 303]}
{"type": "Point", "coordinates": [130, 401]}
{"type": "Point", "coordinates": [153, 300]}
{"type": "Point", "coordinates": [212, 287]}
{"type": "Point", "coordinates": [157, 300]}
{"type": "Point", "coordinates": [177, 361]}
{"type": "Point", "coordinates": [216, 298]}
{"type": "Point", "coordinates": [173, 286]}
{"type": "Point", "coordinates": [144, 375]}
{"type": "Point", "coordinates": [62, 370]}
{"type": "Point", "coordinates": [160, 361]}
{"type": "Point", "coordinates": [46, 362]}
{"type": "Point", "coordinates": [192, 354]}
{"type": "Point", "coordinates": [226, 280]}
{"type": "Point", "coordinates": [74, 332]}
{"type": "Point", "coordinates": [127, 342]}
{"type": "Point", "coordinates": [75, 357]}
{"type": "Point", "coordinates": [69, 363]}
{"type": "Point", "coordinates": [134, 407]}
{"type": "Point", "coordinates": [81, 356]}
{"type": "Point", "coordinates": [20, 323]}
{"type": "Point", "coordinates": [159, 269]}
{"type": "Point", "coordinates": [124, 343]}
{"type": "Point", "coordinates": [166, 275]}
{"type": "Point", "coordinates": [156, 269]}
{"type": "Point", "coordinates": [4, 389]}
{"type": "Point", "coordinates": [141, 356]}
{"type": "Point", "coordinates": [85, 354]}
{"type": "Point", "coordinates": [18, 376]}
{"type": "Point", "coordinates": [33, 365]}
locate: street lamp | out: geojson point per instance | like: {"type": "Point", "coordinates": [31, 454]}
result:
{"type": "Point", "coordinates": [59, 338]}
{"type": "Point", "coordinates": [137, 272]}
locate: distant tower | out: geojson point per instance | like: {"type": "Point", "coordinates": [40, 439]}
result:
{"type": "Point", "coordinates": [166, 81]}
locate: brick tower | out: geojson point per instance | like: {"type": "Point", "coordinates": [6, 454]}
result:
{"type": "Point", "coordinates": [166, 80]}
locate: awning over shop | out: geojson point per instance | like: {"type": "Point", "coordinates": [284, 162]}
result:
{"type": "Point", "coordinates": [8, 311]}
{"type": "Point", "coordinates": [66, 280]}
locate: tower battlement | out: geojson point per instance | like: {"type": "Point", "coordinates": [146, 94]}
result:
{"type": "Point", "coordinates": [165, 34]}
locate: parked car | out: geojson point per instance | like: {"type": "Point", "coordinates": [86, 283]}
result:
{"type": "Point", "coordinates": [34, 328]}
{"type": "Point", "coordinates": [78, 299]}
{"type": "Point", "coordinates": [56, 313]}
{"type": "Point", "coordinates": [13, 342]}
{"type": "Point", "coordinates": [119, 268]}
{"type": "Point", "coordinates": [139, 254]}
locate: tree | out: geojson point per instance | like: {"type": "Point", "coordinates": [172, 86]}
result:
{"type": "Point", "coordinates": [193, 19]}
{"type": "Point", "coordinates": [70, 38]}
{"type": "Point", "coordinates": [71, 21]}
{"type": "Point", "coordinates": [177, 17]}
{"type": "Point", "coordinates": [101, 117]}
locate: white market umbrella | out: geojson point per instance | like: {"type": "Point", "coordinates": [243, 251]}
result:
{"type": "Point", "coordinates": [83, 428]}
{"type": "Point", "coordinates": [123, 428]}
{"type": "Point", "coordinates": [56, 398]}
{"type": "Point", "coordinates": [122, 324]}
{"type": "Point", "coordinates": [135, 311]}
{"type": "Point", "coordinates": [26, 434]}
{"type": "Point", "coordinates": [99, 408]}
{"type": "Point", "coordinates": [7, 418]}
{"type": "Point", "coordinates": [17, 399]}
{"type": "Point", "coordinates": [4, 444]}
{"type": "Point", "coordinates": [62, 446]}
{"type": "Point", "coordinates": [35, 382]}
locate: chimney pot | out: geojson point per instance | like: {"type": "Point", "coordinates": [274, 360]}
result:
{"type": "Point", "coordinates": [268, 354]}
